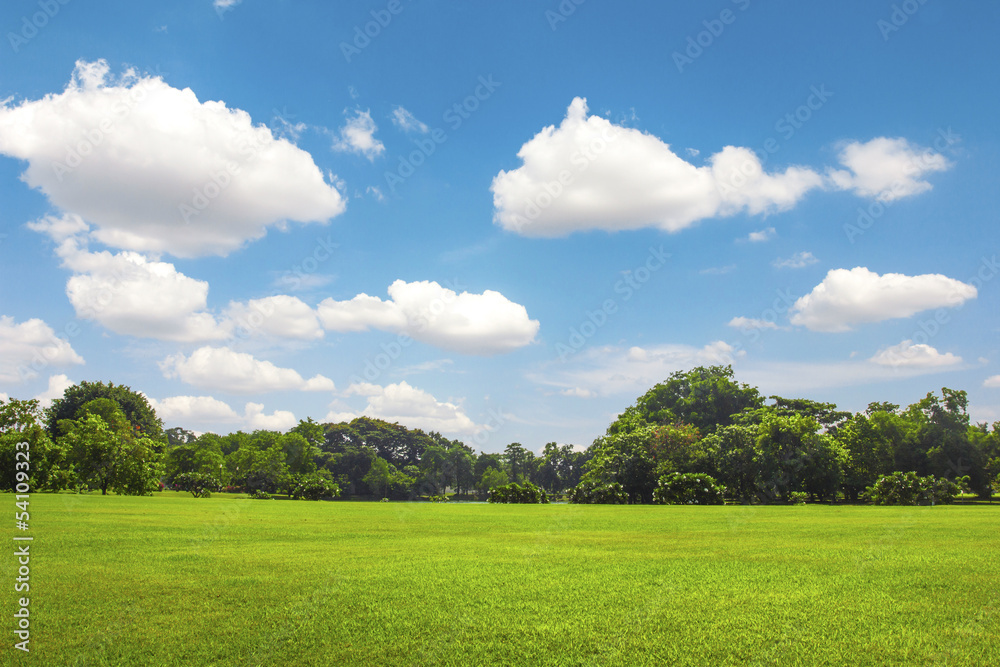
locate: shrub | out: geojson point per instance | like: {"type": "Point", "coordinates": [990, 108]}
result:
{"type": "Point", "coordinates": [438, 499]}
{"type": "Point", "coordinates": [688, 489]}
{"type": "Point", "coordinates": [200, 485]}
{"type": "Point", "coordinates": [599, 494]}
{"type": "Point", "coordinates": [905, 488]}
{"type": "Point", "coordinates": [798, 497]}
{"type": "Point", "coordinates": [260, 494]}
{"type": "Point", "coordinates": [315, 486]}
{"type": "Point", "coordinates": [516, 493]}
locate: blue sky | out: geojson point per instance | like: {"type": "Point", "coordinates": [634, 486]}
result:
{"type": "Point", "coordinates": [500, 222]}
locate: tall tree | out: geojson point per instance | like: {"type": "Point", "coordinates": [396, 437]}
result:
{"type": "Point", "coordinates": [133, 405]}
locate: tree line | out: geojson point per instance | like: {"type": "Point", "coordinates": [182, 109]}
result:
{"type": "Point", "coordinates": [701, 422]}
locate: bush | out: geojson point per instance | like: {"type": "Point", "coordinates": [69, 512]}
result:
{"type": "Point", "coordinates": [905, 488]}
{"type": "Point", "coordinates": [438, 499]}
{"type": "Point", "coordinates": [260, 494]}
{"type": "Point", "coordinates": [798, 497]}
{"type": "Point", "coordinates": [517, 493]}
{"type": "Point", "coordinates": [688, 489]}
{"type": "Point", "coordinates": [200, 485]}
{"type": "Point", "coordinates": [315, 486]}
{"type": "Point", "coordinates": [599, 494]}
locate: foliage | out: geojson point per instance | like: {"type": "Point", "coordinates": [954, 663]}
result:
{"type": "Point", "coordinates": [589, 492]}
{"type": "Point", "coordinates": [798, 497]}
{"type": "Point", "coordinates": [906, 488]}
{"type": "Point", "coordinates": [260, 494]}
{"type": "Point", "coordinates": [688, 489]}
{"type": "Point", "coordinates": [133, 405]}
{"type": "Point", "coordinates": [199, 484]}
{"type": "Point", "coordinates": [111, 459]}
{"type": "Point", "coordinates": [314, 486]}
{"type": "Point", "coordinates": [490, 479]}
{"type": "Point", "coordinates": [47, 462]}
{"type": "Point", "coordinates": [526, 493]}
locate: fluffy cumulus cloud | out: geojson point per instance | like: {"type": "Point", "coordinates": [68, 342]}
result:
{"type": "Point", "coordinates": [209, 412]}
{"type": "Point", "coordinates": [234, 372]}
{"type": "Point", "coordinates": [848, 297]}
{"type": "Point", "coordinates": [410, 407]}
{"type": "Point", "coordinates": [29, 347]}
{"type": "Point", "coordinates": [156, 170]}
{"type": "Point", "coordinates": [992, 381]}
{"type": "Point", "coordinates": [908, 353]}
{"type": "Point", "coordinates": [58, 384]}
{"type": "Point", "coordinates": [762, 235]}
{"type": "Point", "coordinates": [358, 136]}
{"type": "Point", "coordinates": [887, 169]}
{"type": "Point", "coordinates": [278, 316]}
{"type": "Point", "coordinates": [612, 370]}
{"type": "Point", "coordinates": [481, 324]}
{"type": "Point", "coordinates": [591, 174]}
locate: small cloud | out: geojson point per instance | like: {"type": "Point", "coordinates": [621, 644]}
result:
{"type": "Point", "coordinates": [160, 28]}
{"type": "Point", "coordinates": [358, 136]}
{"type": "Point", "coordinates": [407, 122]}
{"type": "Point", "coordinates": [908, 353]}
{"type": "Point", "coordinates": [992, 382]}
{"type": "Point", "coordinates": [577, 392]}
{"type": "Point", "coordinates": [718, 270]}
{"type": "Point", "coordinates": [797, 261]}
{"type": "Point", "coordinates": [762, 235]}
{"type": "Point", "coordinates": [693, 152]}
{"type": "Point", "coordinates": [375, 192]}
{"type": "Point", "coordinates": [750, 324]}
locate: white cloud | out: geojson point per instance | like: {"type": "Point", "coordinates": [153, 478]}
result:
{"type": "Point", "coordinates": [887, 169]}
{"type": "Point", "coordinates": [797, 261]}
{"type": "Point", "coordinates": [908, 353]}
{"type": "Point", "coordinates": [226, 4]}
{"type": "Point", "coordinates": [58, 384]}
{"type": "Point", "coordinates": [209, 412]}
{"type": "Point", "coordinates": [718, 270]}
{"type": "Point", "coordinates": [234, 372]}
{"type": "Point", "coordinates": [605, 371]}
{"type": "Point", "coordinates": [358, 136]}
{"type": "Point", "coordinates": [407, 122]}
{"type": "Point", "coordinates": [590, 174]}
{"type": "Point", "coordinates": [992, 381]}
{"type": "Point", "coordinates": [4, 397]}
{"type": "Point", "coordinates": [278, 316]}
{"type": "Point", "coordinates": [577, 392]}
{"type": "Point", "coordinates": [132, 295]}
{"type": "Point", "coordinates": [750, 324]}
{"type": "Point", "coordinates": [846, 298]}
{"type": "Point", "coordinates": [481, 324]}
{"type": "Point", "coordinates": [279, 420]}
{"type": "Point", "coordinates": [762, 235]}
{"type": "Point", "coordinates": [194, 410]}
{"type": "Point", "coordinates": [29, 347]}
{"type": "Point", "coordinates": [410, 407]}
{"type": "Point", "coordinates": [129, 155]}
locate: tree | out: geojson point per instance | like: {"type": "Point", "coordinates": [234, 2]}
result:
{"type": "Point", "coordinates": [625, 459]}
{"type": "Point", "coordinates": [109, 458]}
{"type": "Point", "coordinates": [734, 454]}
{"type": "Point", "coordinates": [705, 398]}
{"type": "Point", "coordinates": [516, 459]}
{"type": "Point", "coordinates": [869, 440]}
{"type": "Point", "coordinates": [490, 479]}
{"type": "Point", "coordinates": [45, 461]}
{"type": "Point", "coordinates": [133, 405]}
{"type": "Point", "coordinates": [379, 476]}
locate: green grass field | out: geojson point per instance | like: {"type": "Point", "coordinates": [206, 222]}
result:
{"type": "Point", "coordinates": [172, 580]}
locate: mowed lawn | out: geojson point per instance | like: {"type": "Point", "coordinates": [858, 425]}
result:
{"type": "Point", "coordinates": [172, 580]}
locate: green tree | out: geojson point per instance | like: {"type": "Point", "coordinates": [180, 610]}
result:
{"type": "Point", "coordinates": [133, 405]}
{"type": "Point", "coordinates": [111, 459]}
{"type": "Point", "coordinates": [45, 461]}
{"type": "Point", "coordinates": [490, 479]}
